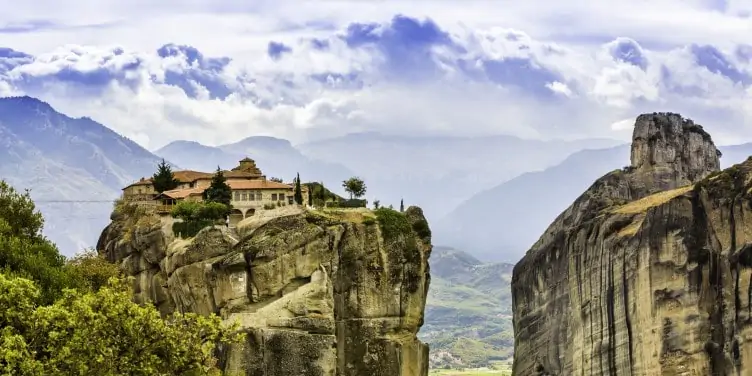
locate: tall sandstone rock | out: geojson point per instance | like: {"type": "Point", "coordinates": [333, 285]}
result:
{"type": "Point", "coordinates": [648, 272]}
{"type": "Point", "coordinates": [318, 294]}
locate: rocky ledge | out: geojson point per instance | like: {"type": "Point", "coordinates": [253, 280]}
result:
{"type": "Point", "coordinates": [648, 272]}
{"type": "Point", "coordinates": [319, 293]}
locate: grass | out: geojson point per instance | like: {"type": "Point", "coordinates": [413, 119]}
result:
{"type": "Point", "coordinates": [645, 203]}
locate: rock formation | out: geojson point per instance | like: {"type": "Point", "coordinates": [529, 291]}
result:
{"type": "Point", "coordinates": [647, 272]}
{"type": "Point", "coordinates": [318, 293]}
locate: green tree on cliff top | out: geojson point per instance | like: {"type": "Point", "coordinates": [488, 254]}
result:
{"type": "Point", "coordinates": [298, 191]}
{"type": "Point", "coordinates": [355, 186]}
{"type": "Point", "coordinates": [164, 179]}
{"type": "Point", "coordinates": [219, 191]}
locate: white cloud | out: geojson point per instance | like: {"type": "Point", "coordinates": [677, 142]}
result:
{"type": "Point", "coordinates": [533, 69]}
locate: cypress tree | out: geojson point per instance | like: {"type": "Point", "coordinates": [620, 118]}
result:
{"type": "Point", "coordinates": [164, 179]}
{"type": "Point", "coordinates": [402, 205]}
{"type": "Point", "coordinates": [298, 191]}
{"type": "Point", "coordinates": [310, 194]}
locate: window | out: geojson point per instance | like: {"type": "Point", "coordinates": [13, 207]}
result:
{"type": "Point", "coordinates": [236, 196]}
{"type": "Point", "coordinates": [245, 196]}
{"type": "Point", "coordinates": [139, 191]}
{"type": "Point", "coordinates": [274, 196]}
{"type": "Point", "coordinates": [281, 197]}
{"type": "Point", "coordinates": [258, 196]}
{"type": "Point", "coordinates": [250, 196]}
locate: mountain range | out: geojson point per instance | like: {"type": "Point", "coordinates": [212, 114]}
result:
{"type": "Point", "coordinates": [490, 195]}
{"type": "Point", "coordinates": [501, 223]}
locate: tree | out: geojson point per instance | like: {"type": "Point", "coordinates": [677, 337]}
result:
{"type": "Point", "coordinates": [92, 269]}
{"type": "Point", "coordinates": [219, 191]}
{"type": "Point", "coordinates": [402, 205]}
{"type": "Point", "coordinates": [102, 333]}
{"type": "Point", "coordinates": [164, 179]}
{"type": "Point", "coordinates": [355, 186]}
{"type": "Point", "coordinates": [298, 191]}
{"type": "Point", "coordinates": [276, 180]}
{"type": "Point", "coordinates": [19, 213]}
{"type": "Point", "coordinates": [310, 194]}
{"type": "Point", "coordinates": [376, 204]}
{"type": "Point", "coordinates": [24, 251]}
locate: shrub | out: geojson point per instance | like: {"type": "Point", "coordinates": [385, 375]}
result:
{"type": "Point", "coordinates": [269, 206]}
{"type": "Point", "coordinates": [353, 203]}
{"type": "Point", "coordinates": [189, 229]}
{"type": "Point", "coordinates": [102, 333]}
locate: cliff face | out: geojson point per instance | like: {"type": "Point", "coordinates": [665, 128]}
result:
{"type": "Point", "coordinates": [648, 272]}
{"type": "Point", "coordinates": [335, 293]}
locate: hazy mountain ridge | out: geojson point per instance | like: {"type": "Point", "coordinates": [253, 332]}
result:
{"type": "Point", "coordinates": [501, 223]}
{"type": "Point", "coordinates": [74, 168]}
{"type": "Point", "coordinates": [438, 173]}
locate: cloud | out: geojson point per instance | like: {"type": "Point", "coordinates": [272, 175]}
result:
{"type": "Point", "coordinates": [304, 72]}
{"type": "Point", "coordinates": [276, 50]}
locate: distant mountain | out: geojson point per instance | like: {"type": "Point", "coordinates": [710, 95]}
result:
{"type": "Point", "coordinates": [469, 310]}
{"type": "Point", "coordinates": [438, 173]}
{"type": "Point", "coordinates": [276, 158]}
{"type": "Point", "coordinates": [73, 167]}
{"type": "Point", "coordinates": [501, 223]}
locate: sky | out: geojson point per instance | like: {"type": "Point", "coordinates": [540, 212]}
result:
{"type": "Point", "coordinates": [217, 71]}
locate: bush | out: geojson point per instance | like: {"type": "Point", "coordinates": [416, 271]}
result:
{"type": "Point", "coordinates": [192, 210]}
{"type": "Point", "coordinates": [269, 206]}
{"type": "Point", "coordinates": [189, 229]}
{"type": "Point", "coordinates": [353, 203]}
{"type": "Point", "coordinates": [92, 270]}
{"type": "Point", "coordinates": [102, 333]}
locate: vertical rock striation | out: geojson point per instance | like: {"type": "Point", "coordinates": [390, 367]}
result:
{"type": "Point", "coordinates": [336, 293]}
{"type": "Point", "coordinates": [648, 271]}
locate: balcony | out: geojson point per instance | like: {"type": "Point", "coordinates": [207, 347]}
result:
{"type": "Point", "coordinates": [164, 209]}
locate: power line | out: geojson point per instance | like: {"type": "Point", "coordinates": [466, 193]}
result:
{"type": "Point", "coordinates": [74, 201]}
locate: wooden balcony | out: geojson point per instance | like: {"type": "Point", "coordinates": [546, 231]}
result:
{"type": "Point", "coordinates": [164, 209]}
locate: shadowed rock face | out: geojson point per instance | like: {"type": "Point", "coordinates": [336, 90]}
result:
{"type": "Point", "coordinates": [648, 272]}
{"type": "Point", "coordinates": [317, 294]}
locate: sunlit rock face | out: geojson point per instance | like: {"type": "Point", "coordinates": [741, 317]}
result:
{"type": "Point", "coordinates": [648, 271]}
{"type": "Point", "coordinates": [317, 294]}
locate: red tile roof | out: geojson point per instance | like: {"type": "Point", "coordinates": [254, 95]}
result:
{"type": "Point", "coordinates": [183, 193]}
{"type": "Point", "coordinates": [257, 184]}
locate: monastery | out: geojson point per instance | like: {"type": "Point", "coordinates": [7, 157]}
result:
{"type": "Point", "coordinates": [251, 192]}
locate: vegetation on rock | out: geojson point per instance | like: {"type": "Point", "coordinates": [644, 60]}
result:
{"type": "Point", "coordinates": [195, 216]}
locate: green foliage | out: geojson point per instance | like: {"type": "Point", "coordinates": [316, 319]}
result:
{"type": "Point", "coordinates": [189, 229]}
{"type": "Point", "coordinates": [195, 216]}
{"type": "Point", "coordinates": [19, 213]}
{"type": "Point", "coordinates": [402, 205]}
{"type": "Point", "coordinates": [320, 194]}
{"type": "Point", "coordinates": [24, 251]}
{"type": "Point", "coordinates": [393, 223]}
{"type": "Point", "coordinates": [163, 179]}
{"type": "Point", "coordinates": [310, 196]}
{"type": "Point", "coordinates": [355, 186]}
{"type": "Point", "coordinates": [219, 191]}
{"type": "Point", "coordinates": [269, 206]}
{"type": "Point", "coordinates": [276, 180]}
{"type": "Point", "coordinates": [92, 269]}
{"type": "Point", "coordinates": [376, 204]}
{"type": "Point", "coordinates": [102, 333]}
{"type": "Point", "coordinates": [298, 191]}
{"type": "Point", "coordinates": [198, 211]}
